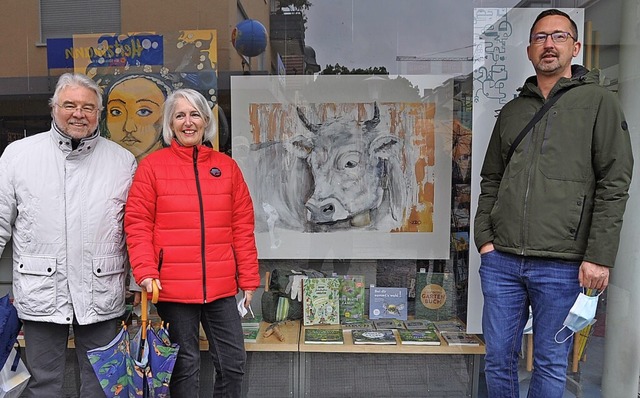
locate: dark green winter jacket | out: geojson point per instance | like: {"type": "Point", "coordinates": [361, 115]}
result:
{"type": "Point", "coordinates": [564, 191]}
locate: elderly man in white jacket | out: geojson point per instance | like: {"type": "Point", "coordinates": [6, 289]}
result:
{"type": "Point", "coordinates": [62, 197]}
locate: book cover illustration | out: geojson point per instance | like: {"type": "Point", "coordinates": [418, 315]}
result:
{"type": "Point", "coordinates": [388, 302]}
{"type": "Point", "coordinates": [418, 324]}
{"type": "Point", "coordinates": [451, 325]}
{"type": "Point", "coordinates": [249, 320]}
{"type": "Point", "coordinates": [323, 336]}
{"type": "Point", "coordinates": [250, 333]}
{"type": "Point", "coordinates": [321, 302]}
{"type": "Point", "coordinates": [351, 297]}
{"type": "Point", "coordinates": [435, 295]}
{"type": "Point", "coordinates": [373, 336]}
{"type": "Point", "coordinates": [362, 324]}
{"type": "Point", "coordinates": [419, 337]}
{"type": "Point", "coordinates": [388, 324]}
{"type": "Point", "coordinates": [460, 338]}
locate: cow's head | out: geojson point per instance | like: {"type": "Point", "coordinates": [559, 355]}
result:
{"type": "Point", "coordinates": [350, 164]}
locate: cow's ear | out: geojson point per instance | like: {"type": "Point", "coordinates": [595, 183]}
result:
{"type": "Point", "coordinates": [300, 145]}
{"type": "Point", "coordinates": [385, 146]}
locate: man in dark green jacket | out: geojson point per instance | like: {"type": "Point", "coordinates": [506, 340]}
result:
{"type": "Point", "coordinates": [549, 218]}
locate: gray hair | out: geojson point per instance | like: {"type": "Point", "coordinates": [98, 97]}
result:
{"type": "Point", "coordinates": [198, 101]}
{"type": "Point", "coordinates": [76, 80]}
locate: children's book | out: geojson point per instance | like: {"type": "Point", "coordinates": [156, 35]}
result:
{"type": "Point", "coordinates": [351, 297]}
{"type": "Point", "coordinates": [320, 302]}
{"type": "Point", "coordinates": [323, 336]}
{"type": "Point", "coordinates": [419, 337]}
{"type": "Point", "coordinates": [435, 295]}
{"type": "Point", "coordinates": [250, 333]}
{"type": "Point", "coordinates": [388, 302]}
{"type": "Point", "coordinates": [373, 336]}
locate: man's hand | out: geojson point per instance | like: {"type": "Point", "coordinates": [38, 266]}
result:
{"type": "Point", "coordinates": [486, 248]}
{"type": "Point", "coordinates": [593, 276]}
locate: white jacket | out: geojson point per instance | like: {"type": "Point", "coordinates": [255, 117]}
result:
{"type": "Point", "coordinates": [65, 211]}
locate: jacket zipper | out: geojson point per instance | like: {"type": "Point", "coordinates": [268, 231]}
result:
{"type": "Point", "coordinates": [202, 240]}
{"type": "Point", "coordinates": [160, 256]}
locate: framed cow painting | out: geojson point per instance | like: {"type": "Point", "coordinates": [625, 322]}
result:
{"type": "Point", "coordinates": [349, 167]}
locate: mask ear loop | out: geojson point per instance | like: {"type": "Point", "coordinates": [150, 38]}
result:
{"type": "Point", "coordinates": [565, 340]}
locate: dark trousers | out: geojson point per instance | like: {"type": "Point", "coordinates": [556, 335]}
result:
{"type": "Point", "coordinates": [221, 323]}
{"type": "Point", "coordinates": [45, 351]}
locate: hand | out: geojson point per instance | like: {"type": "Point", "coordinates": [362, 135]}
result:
{"type": "Point", "coordinates": [147, 284]}
{"type": "Point", "coordinates": [486, 248]}
{"type": "Point", "coordinates": [137, 297]}
{"type": "Point", "coordinates": [248, 295]}
{"type": "Point", "coordinates": [593, 276]}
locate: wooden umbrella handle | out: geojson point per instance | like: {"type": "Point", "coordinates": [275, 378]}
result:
{"type": "Point", "coordinates": [145, 306]}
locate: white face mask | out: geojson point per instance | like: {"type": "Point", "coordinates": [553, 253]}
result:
{"type": "Point", "coordinates": [581, 315]}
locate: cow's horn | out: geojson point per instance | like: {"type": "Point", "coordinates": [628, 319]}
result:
{"type": "Point", "coordinates": [373, 122]}
{"type": "Point", "coordinates": [311, 127]}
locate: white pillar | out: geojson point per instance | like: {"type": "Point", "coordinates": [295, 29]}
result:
{"type": "Point", "coordinates": [622, 341]}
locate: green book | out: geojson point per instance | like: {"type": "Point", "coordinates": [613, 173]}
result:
{"type": "Point", "coordinates": [373, 336]}
{"type": "Point", "coordinates": [419, 337]}
{"type": "Point", "coordinates": [323, 336]}
{"type": "Point", "coordinates": [435, 296]}
{"type": "Point", "coordinates": [351, 297]}
{"type": "Point", "coordinates": [250, 333]}
{"type": "Point", "coordinates": [320, 302]}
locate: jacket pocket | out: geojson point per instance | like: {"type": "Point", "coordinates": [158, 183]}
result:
{"type": "Point", "coordinates": [36, 287]}
{"type": "Point", "coordinates": [108, 284]}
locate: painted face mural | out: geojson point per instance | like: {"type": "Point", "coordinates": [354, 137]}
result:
{"type": "Point", "coordinates": [134, 115]}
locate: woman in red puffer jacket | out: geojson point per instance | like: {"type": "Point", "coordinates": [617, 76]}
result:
{"type": "Point", "coordinates": [190, 228]}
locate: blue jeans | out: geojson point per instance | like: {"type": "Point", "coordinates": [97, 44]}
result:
{"type": "Point", "coordinates": [511, 283]}
{"type": "Point", "coordinates": [221, 322]}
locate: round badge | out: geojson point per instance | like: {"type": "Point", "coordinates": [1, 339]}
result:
{"type": "Point", "coordinates": [215, 172]}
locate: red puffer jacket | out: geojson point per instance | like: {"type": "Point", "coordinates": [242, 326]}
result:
{"type": "Point", "coordinates": [189, 222]}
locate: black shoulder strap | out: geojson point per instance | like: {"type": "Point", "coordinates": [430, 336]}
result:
{"type": "Point", "coordinates": [536, 118]}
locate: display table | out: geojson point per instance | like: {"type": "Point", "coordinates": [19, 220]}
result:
{"type": "Point", "coordinates": [370, 370]}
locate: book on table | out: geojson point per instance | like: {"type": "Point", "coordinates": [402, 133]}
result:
{"type": "Point", "coordinates": [250, 333]}
{"type": "Point", "coordinates": [419, 337]}
{"type": "Point", "coordinates": [388, 324]}
{"type": "Point", "coordinates": [373, 336]}
{"type": "Point", "coordinates": [388, 302]}
{"type": "Point", "coordinates": [435, 295]}
{"type": "Point", "coordinates": [460, 338]}
{"type": "Point", "coordinates": [320, 303]}
{"type": "Point", "coordinates": [362, 324]}
{"type": "Point", "coordinates": [323, 336]}
{"type": "Point", "coordinates": [417, 324]}
{"type": "Point", "coordinates": [249, 320]}
{"type": "Point", "coordinates": [351, 297]}
{"type": "Point", "coordinates": [451, 325]}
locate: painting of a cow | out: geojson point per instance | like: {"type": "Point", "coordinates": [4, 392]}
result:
{"type": "Point", "coordinates": [358, 181]}
{"type": "Point", "coordinates": [341, 167]}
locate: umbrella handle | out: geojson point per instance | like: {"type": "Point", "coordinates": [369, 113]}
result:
{"type": "Point", "coordinates": [144, 306]}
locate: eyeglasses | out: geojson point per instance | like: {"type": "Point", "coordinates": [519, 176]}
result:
{"type": "Point", "coordinates": [71, 108]}
{"type": "Point", "coordinates": [557, 37]}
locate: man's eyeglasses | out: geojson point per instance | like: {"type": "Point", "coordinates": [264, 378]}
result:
{"type": "Point", "coordinates": [557, 37]}
{"type": "Point", "coordinates": [85, 109]}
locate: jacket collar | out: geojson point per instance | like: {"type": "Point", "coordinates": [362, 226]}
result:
{"type": "Point", "coordinates": [187, 152]}
{"type": "Point", "coordinates": [63, 141]}
{"type": "Point", "coordinates": [579, 76]}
